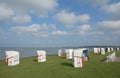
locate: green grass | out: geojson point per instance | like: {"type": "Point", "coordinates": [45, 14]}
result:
{"type": "Point", "coordinates": [59, 67]}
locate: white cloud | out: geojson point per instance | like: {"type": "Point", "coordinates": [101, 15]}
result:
{"type": "Point", "coordinates": [82, 32]}
{"type": "Point", "coordinates": [5, 12]}
{"type": "Point", "coordinates": [44, 27]}
{"type": "Point", "coordinates": [59, 32]}
{"type": "Point", "coordinates": [21, 19]}
{"type": "Point", "coordinates": [24, 29]}
{"type": "Point", "coordinates": [34, 29]}
{"type": "Point", "coordinates": [84, 29]}
{"type": "Point", "coordinates": [109, 26]}
{"type": "Point", "coordinates": [112, 8]}
{"type": "Point", "coordinates": [52, 26]}
{"type": "Point", "coordinates": [40, 7]}
{"type": "Point", "coordinates": [68, 19]}
{"type": "Point", "coordinates": [83, 18]}
{"type": "Point", "coordinates": [21, 11]}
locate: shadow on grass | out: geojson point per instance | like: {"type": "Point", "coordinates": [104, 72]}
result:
{"type": "Point", "coordinates": [63, 57]}
{"type": "Point", "coordinates": [67, 64]}
{"type": "Point", "coordinates": [104, 60]}
{"type": "Point", "coordinates": [35, 60]}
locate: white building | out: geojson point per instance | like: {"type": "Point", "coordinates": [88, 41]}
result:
{"type": "Point", "coordinates": [41, 55]}
{"type": "Point", "coordinates": [12, 58]}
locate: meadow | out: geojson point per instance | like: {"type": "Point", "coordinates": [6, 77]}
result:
{"type": "Point", "coordinates": [59, 67]}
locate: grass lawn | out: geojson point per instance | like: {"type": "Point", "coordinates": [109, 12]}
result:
{"type": "Point", "coordinates": [59, 67]}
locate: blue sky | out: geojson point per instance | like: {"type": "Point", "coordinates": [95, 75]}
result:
{"type": "Point", "coordinates": [59, 23]}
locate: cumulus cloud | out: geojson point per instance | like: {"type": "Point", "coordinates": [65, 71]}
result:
{"type": "Point", "coordinates": [44, 27]}
{"type": "Point", "coordinates": [40, 7]}
{"type": "Point", "coordinates": [113, 9]}
{"type": "Point", "coordinates": [58, 32]}
{"type": "Point", "coordinates": [109, 26]}
{"type": "Point", "coordinates": [21, 19]}
{"type": "Point", "coordinates": [84, 29]}
{"type": "Point", "coordinates": [24, 29]}
{"type": "Point", "coordinates": [5, 12]}
{"type": "Point", "coordinates": [21, 11]}
{"type": "Point", "coordinates": [34, 29]}
{"type": "Point", "coordinates": [53, 26]}
{"type": "Point", "coordinates": [43, 32]}
{"type": "Point", "coordinates": [68, 19]}
{"type": "Point", "coordinates": [83, 18]}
